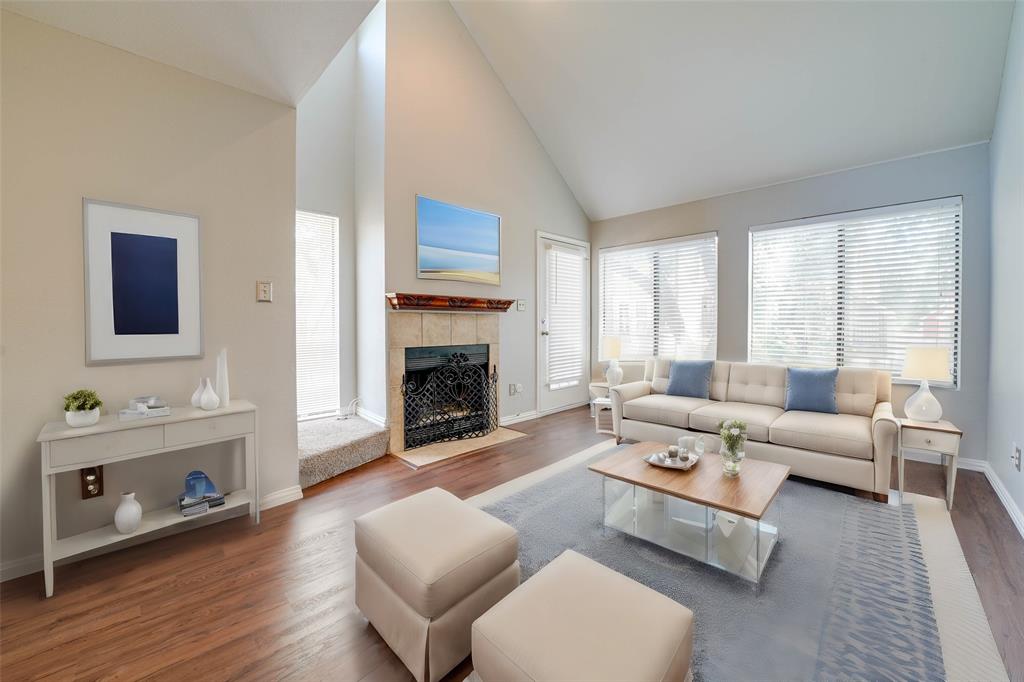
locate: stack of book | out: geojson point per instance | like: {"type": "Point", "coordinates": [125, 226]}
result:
{"type": "Point", "coordinates": [193, 506]}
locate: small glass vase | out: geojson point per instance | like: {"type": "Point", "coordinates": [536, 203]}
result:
{"type": "Point", "coordinates": [731, 463]}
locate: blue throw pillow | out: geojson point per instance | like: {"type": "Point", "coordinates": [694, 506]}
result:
{"type": "Point", "coordinates": [812, 390]}
{"type": "Point", "coordinates": [690, 378]}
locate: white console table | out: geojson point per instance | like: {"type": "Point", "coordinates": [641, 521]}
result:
{"type": "Point", "coordinates": [69, 449]}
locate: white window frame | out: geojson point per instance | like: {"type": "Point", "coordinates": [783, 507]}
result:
{"type": "Point", "coordinates": [654, 244]}
{"type": "Point", "coordinates": [833, 219]}
{"type": "Point", "coordinates": [337, 313]}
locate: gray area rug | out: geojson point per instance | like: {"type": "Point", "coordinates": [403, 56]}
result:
{"type": "Point", "coordinates": [845, 595]}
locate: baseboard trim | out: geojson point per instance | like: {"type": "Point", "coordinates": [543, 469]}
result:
{"type": "Point", "coordinates": [571, 406]}
{"type": "Point", "coordinates": [370, 416]}
{"type": "Point", "coordinates": [15, 568]}
{"type": "Point", "coordinates": [1004, 496]}
{"type": "Point", "coordinates": [279, 497]}
{"type": "Point", "coordinates": [516, 418]}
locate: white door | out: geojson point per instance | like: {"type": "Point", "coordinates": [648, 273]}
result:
{"type": "Point", "coordinates": [563, 316]}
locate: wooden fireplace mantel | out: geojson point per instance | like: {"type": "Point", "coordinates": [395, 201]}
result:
{"type": "Point", "coordinates": [439, 302]}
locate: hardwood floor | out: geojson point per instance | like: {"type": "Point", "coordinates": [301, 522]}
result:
{"type": "Point", "coordinates": [233, 601]}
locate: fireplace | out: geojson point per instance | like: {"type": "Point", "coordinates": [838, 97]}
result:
{"type": "Point", "coordinates": [448, 393]}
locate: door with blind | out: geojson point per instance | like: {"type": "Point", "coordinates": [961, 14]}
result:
{"type": "Point", "coordinates": [317, 353]}
{"type": "Point", "coordinates": [563, 271]}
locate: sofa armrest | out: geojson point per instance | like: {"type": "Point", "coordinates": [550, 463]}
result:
{"type": "Point", "coordinates": [624, 393]}
{"type": "Point", "coordinates": [885, 438]}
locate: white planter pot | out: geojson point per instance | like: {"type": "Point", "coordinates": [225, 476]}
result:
{"type": "Point", "coordinates": [82, 418]}
{"type": "Point", "coordinates": [128, 515]}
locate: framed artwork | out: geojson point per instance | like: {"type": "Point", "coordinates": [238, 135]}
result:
{"type": "Point", "coordinates": [142, 284]}
{"type": "Point", "coordinates": [457, 243]}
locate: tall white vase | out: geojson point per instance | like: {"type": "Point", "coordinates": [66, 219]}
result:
{"type": "Point", "coordinates": [223, 391]}
{"type": "Point", "coordinates": [128, 515]}
{"type": "Point", "coordinates": [209, 401]}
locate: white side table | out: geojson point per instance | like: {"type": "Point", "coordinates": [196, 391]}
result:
{"type": "Point", "coordinates": [941, 437]}
{"type": "Point", "coordinates": [603, 415]}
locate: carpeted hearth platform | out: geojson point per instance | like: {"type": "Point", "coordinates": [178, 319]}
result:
{"type": "Point", "coordinates": [855, 590]}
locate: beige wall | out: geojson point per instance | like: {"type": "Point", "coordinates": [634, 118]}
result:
{"type": "Point", "coordinates": [455, 134]}
{"type": "Point", "coordinates": [962, 171]}
{"type": "Point", "coordinates": [82, 119]}
{"type": "Point", "coordinates": [1006, 373]}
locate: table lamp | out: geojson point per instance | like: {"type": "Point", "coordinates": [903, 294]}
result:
{"type": "Point", "coordinates": [927, 363]}
{"type": "Point", "coordinates": [611, 348]}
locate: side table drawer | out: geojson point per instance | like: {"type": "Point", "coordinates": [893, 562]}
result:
{"type": "Point", "coordinates": [198, 430]}
{"type": "Point", "coordinates": [103, 445]}
{"type": "Point", "coordinates": [936, 441]}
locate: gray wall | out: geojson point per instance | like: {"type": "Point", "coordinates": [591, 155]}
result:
{"type": "Point", "coordinates": [1006, 385]}
{"type": "Point", "coordinates": [324, 168]}
{"type": "Point", "coordinates": [961, 171]}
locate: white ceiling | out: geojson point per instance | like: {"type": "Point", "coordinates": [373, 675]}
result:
{"type": "Point", "coordinates": [274, 48]}
{"type": "Point", "coordinates": [649, 104]}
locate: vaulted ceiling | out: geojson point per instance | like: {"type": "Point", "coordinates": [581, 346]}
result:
{"type": "Point", "coordinates": [274, 48]}
{"type": "Point", "coordinates": [648, 104]}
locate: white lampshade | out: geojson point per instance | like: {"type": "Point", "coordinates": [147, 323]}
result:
{"type": "Point", "coordinates": [927, 362]}
{"type": "Point", "coordinates": [611, 347]}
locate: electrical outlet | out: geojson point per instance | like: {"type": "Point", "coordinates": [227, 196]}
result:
{"type": "Point", "coordinates": [520, 305]}
{"type": "Point", "coordinates": [264, 292]}
{"type": "Point", "coordinates": [92, 482]}
{"type": "Point", "coordinates": [511, 389]}
{"type": "Point", "coordinates": [519, 388]}
{"type": "Point", "coordinates": [1015, 457]}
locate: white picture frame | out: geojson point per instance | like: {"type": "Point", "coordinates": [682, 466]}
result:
{"type": "Point", "coordinates": [143, 294]}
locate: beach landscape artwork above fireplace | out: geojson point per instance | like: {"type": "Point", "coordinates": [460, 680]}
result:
{"type": "Point", "coordinates": [457, 243]}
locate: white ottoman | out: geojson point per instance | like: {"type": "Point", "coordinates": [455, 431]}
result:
{"type": "Point", "coordinates": [577, 620]}
{"type": "Point", "coordinates": [426, 568]}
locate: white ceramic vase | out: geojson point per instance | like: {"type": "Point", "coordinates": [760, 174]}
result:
{"type": "Point", "coordinates": [82, 417]}
{"type": "Point", "coordinates": [197, 396]}
{"type": "Point", "coordinates": [209, 399]}
{"type": "Point", "coordinates": [223, 390]}
{"type": "Point", "coordinates": [128, 515]}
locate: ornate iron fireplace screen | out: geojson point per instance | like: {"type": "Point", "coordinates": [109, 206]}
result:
{"type": "Point", "coordinates": [457, 400]}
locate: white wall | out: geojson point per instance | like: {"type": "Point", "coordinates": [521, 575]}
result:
{"type": "Point", "coordinates": [81, 119]}
{"type": "Point", "coordinates": [1006, 368]}
{"type": "Point", "coordinates": [455, 134]}
{"type": "Point", "coordinates": [961, 171]}
{"type": "Point", "coordinates": [324, 168]}
{"type": "Point", "coordinates": [371, 351]}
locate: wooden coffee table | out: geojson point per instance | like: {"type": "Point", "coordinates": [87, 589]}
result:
{"type": "Point", "coordinates": [730, 523]}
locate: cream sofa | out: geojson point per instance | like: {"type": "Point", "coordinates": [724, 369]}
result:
{"type": "Point", "coordinates": [853, 448]}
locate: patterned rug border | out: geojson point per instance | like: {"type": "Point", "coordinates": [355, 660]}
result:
{"type": "Point", "coordinates": [968, 646]}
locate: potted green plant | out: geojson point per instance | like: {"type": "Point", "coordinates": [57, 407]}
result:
{"type": "Point", "coordinates": [733, 433]}
{"type": "Point", "coordinates": [82, 407]}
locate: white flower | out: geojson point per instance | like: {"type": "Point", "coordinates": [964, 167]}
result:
{"type": "Point", "coordinates": [734, 431]}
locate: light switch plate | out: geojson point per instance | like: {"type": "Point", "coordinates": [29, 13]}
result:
{"type": "Point", "coordinates": [264, 292]}
{"type": "Point", "coordinates": [520, 305]}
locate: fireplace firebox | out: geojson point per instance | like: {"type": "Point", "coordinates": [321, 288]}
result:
{"type": "Point", "coordinates": [448, 393]}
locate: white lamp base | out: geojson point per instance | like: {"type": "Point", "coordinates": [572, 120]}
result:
{"type": "Point", "coordinates": [614, 373]}
{"type": "Point", "coordinates": [923, 406]}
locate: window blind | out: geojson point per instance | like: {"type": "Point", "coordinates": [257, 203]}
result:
{"type": "Point", "coordinates": [317, 355]}
{"type": "Point", "coordinates": [661, 298]}
{"type": "Point", "coordinates": [566, 278]}
{"type": "Point", "coordinates": [856, 289]}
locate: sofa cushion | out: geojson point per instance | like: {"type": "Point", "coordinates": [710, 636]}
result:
{"type": "Point", "coordinates": [671, 410]}
{"type": "Point", "coordinates": [757, 417]}
{"type": "Point", "coordinates": [811, 390]}
{"type": "Point", "coordinates": [836, 434]}
{"type": "Point", "coordinates": [657, 371]}
{"type": "Point", "coordinates": [690, 378]}
{"type": "Point", "coordinates": [578, 620]}
{"type": "Point", "coordinates": [433, 549]}
{"type": "Point", "coordinates": [761, 384]}
{"type": "Point", "coordinates": [857, 390]}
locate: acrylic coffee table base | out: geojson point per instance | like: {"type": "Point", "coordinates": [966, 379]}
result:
{"type": "Point", "coordinates": [731, 542]}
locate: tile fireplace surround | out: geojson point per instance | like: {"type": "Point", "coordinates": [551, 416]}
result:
{"type": "Point", "coordinates": [415, 329]}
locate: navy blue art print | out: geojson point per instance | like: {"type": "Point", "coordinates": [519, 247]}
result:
{"type": "Point", "coordinates": [144, 274]}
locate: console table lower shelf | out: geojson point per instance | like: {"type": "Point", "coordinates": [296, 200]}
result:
{"type": "Point", "coordinates": [65, 449]}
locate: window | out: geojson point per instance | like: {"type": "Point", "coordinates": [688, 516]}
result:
{"type": "Point", "coordinates": [856, 289]}
{"type": "Point", "coordinates": [317, 355]}
{"type": "Point", "coordinates": [566, 279]}
{"type": "Point", "coordinates": [661, 298]}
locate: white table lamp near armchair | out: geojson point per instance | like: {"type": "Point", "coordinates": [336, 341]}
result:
{"type": "Point", "coordinates": [926, 363]}
{"type": "Point", "coordinates": [611, 349]}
